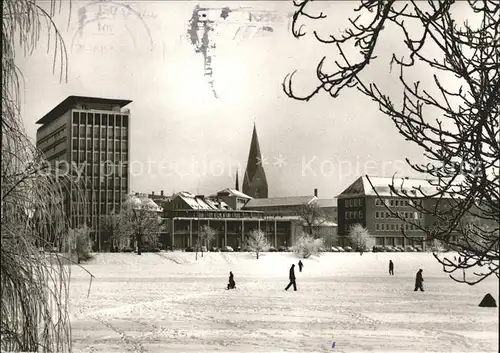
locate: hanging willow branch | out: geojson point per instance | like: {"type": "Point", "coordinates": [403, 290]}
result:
{"type": "Point", "coordinates": [34, 285]}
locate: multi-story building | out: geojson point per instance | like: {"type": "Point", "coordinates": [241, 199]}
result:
{"type": "Point", "coordinates": [91, 134]}
{"type": "Point", "coordinates": [366, 202]}
{"type": "Point", "coordinates": [186, 213]}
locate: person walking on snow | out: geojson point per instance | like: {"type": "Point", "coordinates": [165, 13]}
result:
{"type": "Point", "coordinates": [300, 265]}
{"type": "Point", "coordinates": [292, 278]}
{"type": "Point", "coordinates": [419, 281]}
{"type": "Point", "coordinates": [232, 283]}
{"type": "Point", "coordinates": [391, 268]}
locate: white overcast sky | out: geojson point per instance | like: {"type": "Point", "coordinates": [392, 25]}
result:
{"type": "Point", "coordinates": [193, 141]}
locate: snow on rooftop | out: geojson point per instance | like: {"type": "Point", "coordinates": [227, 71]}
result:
{"type": "Point", "coordinates": [202, 203]}
{"type": "Point", "coordinates": [280, 201]}
{"type": "Point", "coordinates": [234, 192]}
{"type": "Point", "coordinates": [373, 185]}
{"type": "Point", "coordinates": [140, 200]}
{"type": "Point", "coordinates": [324, 203]}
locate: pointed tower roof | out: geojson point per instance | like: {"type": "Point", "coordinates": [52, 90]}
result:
{"type": "Point", "coordinates": [254, 181]}
{"type": "Point", "coordinates": [237, 186]}
{"type": "Point", "coordinates": [254, 156]}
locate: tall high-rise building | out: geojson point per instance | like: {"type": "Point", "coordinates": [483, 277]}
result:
{"type": "Point", "coordinates": [93, 135]}
{"type": "Point", "coordinates": [254, 181]}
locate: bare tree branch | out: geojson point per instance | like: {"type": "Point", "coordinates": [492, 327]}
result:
{"type": "Point", "coordinates": [460, 138]}
{"type": "Point", "coordinates": [312, 216]}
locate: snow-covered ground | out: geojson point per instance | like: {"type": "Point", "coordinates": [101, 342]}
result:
{"type": "Point", "coordinates": [169, 302]}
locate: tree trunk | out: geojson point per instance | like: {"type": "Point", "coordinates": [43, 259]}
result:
{"type": "Point", "coordinates": [139, 244]}
{"type": "Point", "coordinates": [257, 255]}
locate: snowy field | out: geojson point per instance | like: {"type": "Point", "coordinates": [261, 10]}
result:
{"type": "Point", "coordinates": [169, 302]}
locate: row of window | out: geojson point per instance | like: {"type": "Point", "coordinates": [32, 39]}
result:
{"type": "Point", "coordinates": [217, 215]}
{"type": "Point", "coordinates": [354, 203]}
{"type": "Point", "coordinates": [354, 215]}
{"type": "Point", "coordinates": [93, 157]}
{"type": "Point", "coordinates": [395, 226]}
{"type": "Point", "coordinates": [106, 183]}
{"type": "Point", "coordinates": [95, 208]}
{"type": "Point", "coordinates": [100, 119]}
{"type": "Point", "coordinates": [93, 194]}
{"type": "Point", "coordinates": [230, 229]}
{"type": "Point", "coordinates": [79, 221]}
{"type": "Point", "coordinates": [106, 170]}
{"type": "Point", "coordinates": [100, 132]}
{"type": "Point", "coordinates": [397, 202]}
{"type": "Point", "coordinates": [109, 182]}
{"type": "Point", "coordinates": [389, 215]}
{"type": "Point", "coordinates": [81, 144]}
{"type": "Point", "coordinates": [89, 220]}
{"type": "Point", "coordinates": [396, 241]}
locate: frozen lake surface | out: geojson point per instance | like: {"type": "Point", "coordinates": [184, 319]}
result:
{"type": "Point", "coordinates": [169, 302]}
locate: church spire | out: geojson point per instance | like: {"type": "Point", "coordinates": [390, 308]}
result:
{"type": "Point", "coordinates": [237, 187]}
{"type": "Point", "coordinates": [254, 181]}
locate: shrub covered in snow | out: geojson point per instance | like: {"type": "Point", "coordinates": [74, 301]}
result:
{"type": "Point", "coordinates": [79, 244]}
{"type": "Point", "coordinates": [437, 246]}
{"type": "Point", "coordinates": [360, 238]}
{"type": "Point", "coordinates": [307, 246]}
{"type": "Point", "coordinates": [257, 242]}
